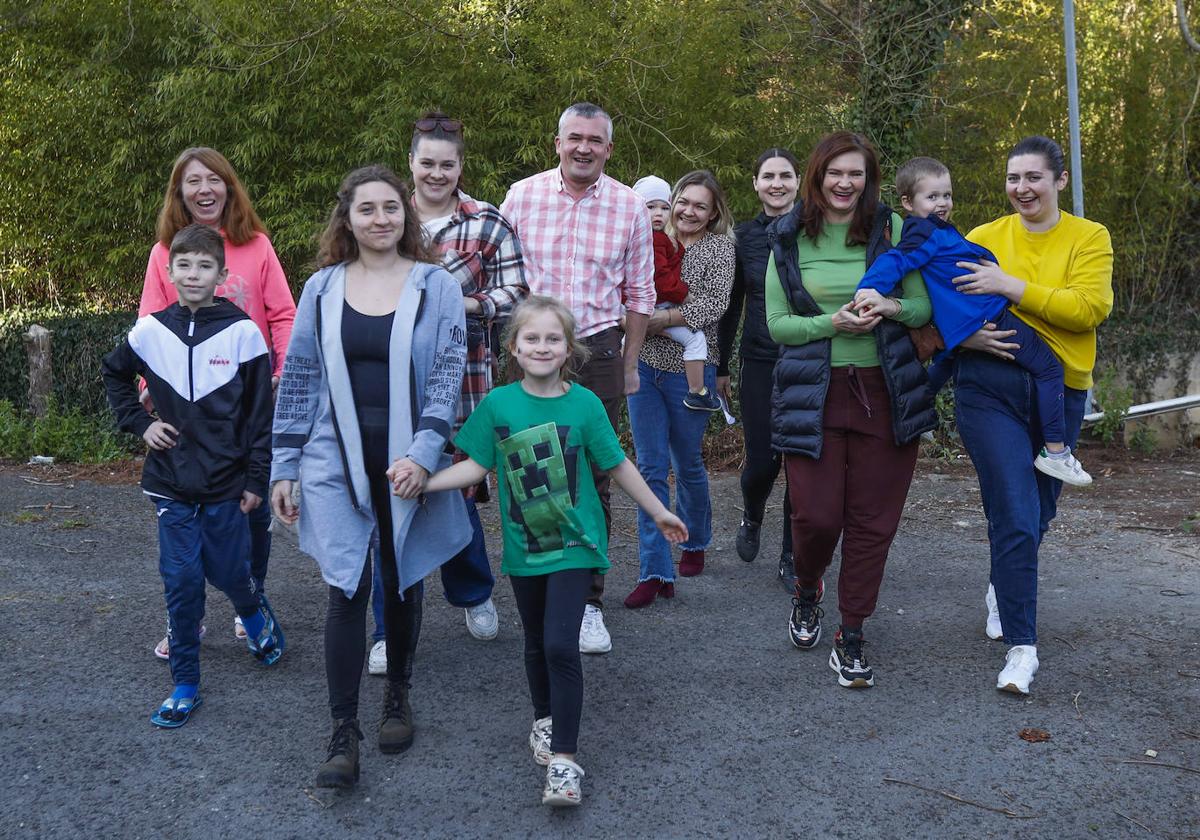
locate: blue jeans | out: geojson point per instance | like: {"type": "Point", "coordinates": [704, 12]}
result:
{"type": "Point", "coordinates": [466, 577]}
{"type": "Point", "coordinates": [996, 407]}
{"type": "Point", "coordinates": [667, 435]}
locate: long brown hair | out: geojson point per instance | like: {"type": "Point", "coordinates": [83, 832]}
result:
{"type": "Point", "coordinates": [338, 244]}
{"type": "Point", "coordinates": [813, 198]}
{"type": "Point", "coordinates": [238, 219]}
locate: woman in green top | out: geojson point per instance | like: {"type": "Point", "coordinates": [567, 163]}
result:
{"type": "Point", "coordinates": [849, 399]}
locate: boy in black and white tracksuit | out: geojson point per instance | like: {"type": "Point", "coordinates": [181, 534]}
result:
{"type": "Point", "coordinates": [209, 375]}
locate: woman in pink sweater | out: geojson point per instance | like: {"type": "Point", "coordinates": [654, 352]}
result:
{"type": "Point", "coordinates": [204, 188]}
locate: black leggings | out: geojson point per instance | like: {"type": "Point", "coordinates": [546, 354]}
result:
{"type": "Point", "coordinates": [762, 462]}
{"type": "Point", "coordinates": [346, 619]}
{"type": "Point", "coordinates": [551, 608]}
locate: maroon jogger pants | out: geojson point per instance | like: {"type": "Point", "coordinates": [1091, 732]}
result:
{"type": "Point", "coordinates": [855, 490]}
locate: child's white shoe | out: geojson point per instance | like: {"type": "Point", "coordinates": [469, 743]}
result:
{"type": "Point", "coordinates": [1066, 469]}
{"type": "Point", "coordinates": [539, 740]}
{"type": "Point", "coordinates": [562, 783]}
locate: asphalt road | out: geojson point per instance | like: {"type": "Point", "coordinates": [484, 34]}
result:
{"type": "Point", "coordinates": [703, 721]}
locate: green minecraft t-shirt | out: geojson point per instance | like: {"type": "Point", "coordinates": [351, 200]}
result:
{"type": "Point", "coordinates": [543, 449]}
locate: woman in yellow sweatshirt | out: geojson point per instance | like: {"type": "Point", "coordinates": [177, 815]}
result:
{"type": "Point", "coordinates": [1057, 272]}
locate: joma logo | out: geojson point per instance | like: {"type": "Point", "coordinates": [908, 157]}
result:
{"type": "Point", "coordinates": [217, 360]}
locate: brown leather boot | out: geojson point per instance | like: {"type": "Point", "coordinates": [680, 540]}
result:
{"type": "Point", "coordinates": [396, 728]}
{"type": "Point", "coordinates": [340, 769]}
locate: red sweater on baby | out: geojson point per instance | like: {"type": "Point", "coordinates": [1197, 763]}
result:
{"type": "Point", "coordinates": [668, 285]}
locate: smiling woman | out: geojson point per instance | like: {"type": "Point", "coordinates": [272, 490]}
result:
{"type": "Point", "coordinates": [667, 434]}
{"type": "Point", "coordinates": [204, 188]}
{"type": "Point", "coordinates": [373, 372]}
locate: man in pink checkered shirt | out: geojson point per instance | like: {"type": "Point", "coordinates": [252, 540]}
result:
{"type": "Point", "coordinates": [587, 242]}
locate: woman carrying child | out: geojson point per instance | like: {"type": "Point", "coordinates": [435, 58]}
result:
{"type": "Point", "coordinates": [204, 189]}
{"type": "Point", "coordinates": [1057, 275]}
{"type": "Point", "coordinates": [775, 182]}
{"type": "Point", "coordinates": [372, 379]}
{"type": "Point", "coordinates": [543, 435]}
{"type": "Point", "coordinates": [665, 433]}
{"type": "Point", "coordinates": [850, 397]}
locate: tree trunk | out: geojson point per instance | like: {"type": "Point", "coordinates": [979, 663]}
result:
{"type": "Point", "coordinates": [41, 374]}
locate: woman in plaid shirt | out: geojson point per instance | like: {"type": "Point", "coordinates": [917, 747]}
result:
{"type": "Point", "coordinates": [479, 248]}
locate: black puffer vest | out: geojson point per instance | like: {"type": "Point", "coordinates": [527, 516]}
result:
{"type": "Point", "coordinates": [802, 372]}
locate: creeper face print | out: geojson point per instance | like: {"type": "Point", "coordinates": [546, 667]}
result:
{"type": "Point", "coordinates": [539, 484]}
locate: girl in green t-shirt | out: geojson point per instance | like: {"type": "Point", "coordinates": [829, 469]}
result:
{"type": "Point", "coordinates": [542, 435]}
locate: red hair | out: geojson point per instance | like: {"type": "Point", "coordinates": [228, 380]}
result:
{"type": "Point", "coordinates": [238, 220]}
{"type": "Point", "coordinates": [812, 196]}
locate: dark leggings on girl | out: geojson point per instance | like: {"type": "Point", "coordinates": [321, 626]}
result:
{"type": "Point", "coordinates": [551, 608]}
{"type": "Point", "coordinates": [762, 462]}
{"type": "Point", "coordinates": [346, 619]}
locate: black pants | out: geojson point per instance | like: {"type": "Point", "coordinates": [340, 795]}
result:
{"type": "Point", "coordinates": [346, 619]}
{"type": "Point", "coordinates": [551, 608]}
{"type": "Point", "coordinates": [762, 462]}
{"type": "Point", "coordinates": [604, 376]}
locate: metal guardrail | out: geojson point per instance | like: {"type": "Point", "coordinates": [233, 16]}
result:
{"type": "Point", "coordinates": [1152, 408]}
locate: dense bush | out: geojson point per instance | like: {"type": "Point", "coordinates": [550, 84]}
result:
{"type": "Point", "coordinates": [81, 338]}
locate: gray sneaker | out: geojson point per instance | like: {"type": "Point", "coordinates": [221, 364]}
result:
{"type": "Point", "coordinates": [482, 621]}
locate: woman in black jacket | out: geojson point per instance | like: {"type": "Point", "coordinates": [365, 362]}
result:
{"type": "Point", "coordinates": [850, 397]}
{"type": "Point", "coordinates": [775, 181]}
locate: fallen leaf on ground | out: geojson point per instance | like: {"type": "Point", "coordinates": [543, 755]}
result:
{"type": "Point", "coordinates": [1034, 736]}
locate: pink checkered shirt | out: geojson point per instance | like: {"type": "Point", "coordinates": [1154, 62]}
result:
{"type": "Point", "coordinates": [589, 253]}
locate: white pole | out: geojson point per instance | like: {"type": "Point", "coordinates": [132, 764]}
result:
{"type": "Point", "coordinates": [1073, 107]}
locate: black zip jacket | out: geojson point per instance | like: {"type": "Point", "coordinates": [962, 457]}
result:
{"type": "Point", "coordinates": [802, 372]}
{"type": "Point", "coordinates": [209, 375]}
{"type": "Point", "coordinates": [749, 279]}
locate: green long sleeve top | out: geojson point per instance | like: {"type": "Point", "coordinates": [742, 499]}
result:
{"type": "Point", "coordinates": [831, 270]}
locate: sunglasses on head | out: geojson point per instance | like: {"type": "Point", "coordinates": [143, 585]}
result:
{"type": "Point", "coordinates": [428, 124]}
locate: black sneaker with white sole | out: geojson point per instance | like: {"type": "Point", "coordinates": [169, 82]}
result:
{"type": "Point", "coordinates": [704, 400]}
{"type": "Point", "coordinates": [849, 660]}
{"type": "Point", "coordinates": [804, 626]}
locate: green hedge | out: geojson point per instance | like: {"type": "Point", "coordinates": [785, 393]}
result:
{"type": "Point", "coordinates": [80, 339]}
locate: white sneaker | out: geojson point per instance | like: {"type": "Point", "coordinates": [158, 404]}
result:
{"type": "Point", "coordinates": [482, 621]}
{"type": "Point", "coordinates": [593, 635]}
{"type": "Point", "coordinates": [992, 628]}
{"type": "Point", "coordinates": [1020, 666]}
{"type": "Point", "coordinates": [539, 740]}
{"type": "Point", "coordinates": [377, 661]}
{"type": "Point", "coordinates": [562, 783]}
{"type": "Point", "coordinates": [1067, 470]}
{"type": "Point", "coordinates": [239, 629]}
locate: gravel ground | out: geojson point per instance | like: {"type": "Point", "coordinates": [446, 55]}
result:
{"type": "Point", "coordinates": [703, 721]}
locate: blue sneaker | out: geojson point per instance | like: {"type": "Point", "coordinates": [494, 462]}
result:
{"type": "Point", "coordinates": [270, 643]}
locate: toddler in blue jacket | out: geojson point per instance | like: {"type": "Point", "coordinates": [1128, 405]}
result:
{"type": "Point", "coordinates": [931, 244]}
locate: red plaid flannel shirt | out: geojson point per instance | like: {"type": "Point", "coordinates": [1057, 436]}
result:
{"type": "Point", "coordinates": [480, 249]}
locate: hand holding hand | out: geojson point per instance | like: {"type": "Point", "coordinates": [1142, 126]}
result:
{"type": "Point", "coordinates": [847, 321]}
{"type": "Point", "coordinates": [282, 506]}
{"type": "Point", "coordinates": [869, 303]}
{"type": "Point", "coordinates": [408, 478]}
{"type": "Point", "coordinates": [160, 435]}
{"type": "Point", "coordinates": [249, 501]}
{"type": "Point", "coordinates": [987, 339]}
{"type": "Point", "coordinates": [671, 526]}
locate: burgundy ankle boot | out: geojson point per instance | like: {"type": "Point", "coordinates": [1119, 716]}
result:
{"type": "Point", "coordinates": [691, 563]}
{"type": "Point", "coordinates": [643, 594]}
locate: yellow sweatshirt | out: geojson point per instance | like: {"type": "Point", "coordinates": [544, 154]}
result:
{"type": "Point", "coordinates": [1068, 284]}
